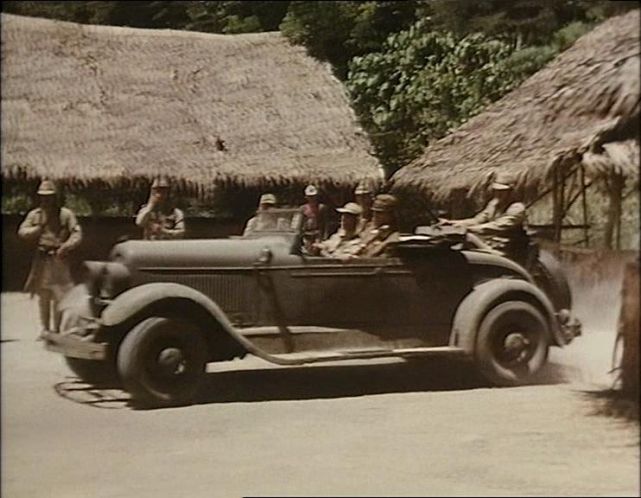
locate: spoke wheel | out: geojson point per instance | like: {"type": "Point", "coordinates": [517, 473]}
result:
{"type": "Point", "coordinates": [162, 362]}
{"type": "Point", "coordinates": [512, 343]}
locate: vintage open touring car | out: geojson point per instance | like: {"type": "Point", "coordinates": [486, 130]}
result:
{"type": "Point", "coordinates": [159, 311]}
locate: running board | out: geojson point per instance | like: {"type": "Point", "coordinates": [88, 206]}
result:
{"type": "Point", "coordinates": [359, 354]}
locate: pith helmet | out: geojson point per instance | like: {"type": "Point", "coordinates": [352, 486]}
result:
{"type": "Point", "coordinates": [351, 208]}
{"type": "Point", "coordinates": [160, 182]}
{"type": "Point", "coordinates": [268, 199]}
{"type": "Point", "coordinates": [503, 181]}
{"type": "Point", "coordinates": [311, 190]}
{"type": "Point", "coordinates": [385, 202]}
{"type": "Point", "coordinates": [361, 189]}
{"type": "Point", "coordinates": [46, 187]}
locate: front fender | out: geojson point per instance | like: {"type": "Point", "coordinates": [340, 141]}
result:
{"type": "Point", "coordinates": [478, 302]}
{"type": "Point", "coordinates": [136, 299]}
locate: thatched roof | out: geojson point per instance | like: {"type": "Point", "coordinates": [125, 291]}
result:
{"type": "Point", "coordinates": [118, 105]}
{"type": "Point", "coordinates": [587, 96]}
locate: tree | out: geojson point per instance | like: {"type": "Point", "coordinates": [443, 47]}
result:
{"type": "Point", "coordinates": [422, 84]}
{"type": "Point", "coordinates": [338, 31]}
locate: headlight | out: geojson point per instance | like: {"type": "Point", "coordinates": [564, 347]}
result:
{"type": "Point", "coordinates": [106, 280]}
{"type": "Point", "coordinates": [93, 276]}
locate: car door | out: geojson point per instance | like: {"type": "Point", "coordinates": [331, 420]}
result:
{"type": "Point", "coordinates": [420, 295]}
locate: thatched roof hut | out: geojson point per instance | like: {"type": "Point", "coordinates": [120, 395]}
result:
{"type": "Point", "coordinates": [582, 108]}
{"type": "Point", "coordinates": [116, 106]}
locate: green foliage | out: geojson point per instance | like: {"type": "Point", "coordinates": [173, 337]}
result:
{"type": "Point", "coordinates": [522, 22]}
{"type": "Point", "coordinates": [78, 204]}
{"type": "Point", "coordinates": [212, 16]}
{"type": "Point", "coordinates": [423, 83]}
{"type": "Point", "coordinates": [16, 203]}
{"type": "Point", "coordinates": [337, 31]}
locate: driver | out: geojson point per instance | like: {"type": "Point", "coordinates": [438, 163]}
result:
{"type": "Point", "coordinates": [262, 221]}
{"type": "Point", "coordinates": [501, 224]}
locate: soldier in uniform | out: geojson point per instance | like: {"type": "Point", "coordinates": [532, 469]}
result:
{"type": "Point", "coordinates": [55, 232]}
{"type": "Point", "coordinates": [346, 241]}
{"type": "Point", "coordinates": [363, 196]}
{"type": "Point", "coordinates": [385, 227]}
{"type": "Point", "coordinates": [159, 218]}
{"type": "Point", "coordinates": [261, 221]}
{"type": "Point", "coordinates": [314, 219]}
{"type": "Point", "coordinates": [501, 224]}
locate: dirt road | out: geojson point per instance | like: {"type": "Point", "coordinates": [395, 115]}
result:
{"type": "Point", "coordinates": [389, 429]}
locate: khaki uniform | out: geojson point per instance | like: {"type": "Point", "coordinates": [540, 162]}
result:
{"type": "Point", "coordinates": [377, 240]}
{"type": "Point", "coordinates": [170, 223]}
{"type": "Point", "coordinates": [50, 275]}
{"type": "Point", "coordinates": [341, 244]}
{"type": "Point", "coordinates": [364, 225]}
{"type": "Point", "coordinates": [499, 227]}
{"type": "Point", "coordinates": [47, 271]}
{"type": "Point", "coordinates": [265, 222]}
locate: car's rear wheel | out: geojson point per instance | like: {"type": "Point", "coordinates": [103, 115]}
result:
{"type": "Point", "coordinates": [161, 362]}
{"type": "Point", "coordinates": [512, 343]}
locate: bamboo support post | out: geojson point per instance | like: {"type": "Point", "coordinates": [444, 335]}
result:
{"type": "Point", "coordinates": [586, 230]}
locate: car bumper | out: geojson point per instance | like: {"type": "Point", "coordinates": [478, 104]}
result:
{"type": "Point", "coordinates": [75, 346]}
{"type": "Point", "coordinates": [570, 328]}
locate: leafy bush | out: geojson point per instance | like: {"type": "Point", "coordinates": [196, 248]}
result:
{"type": "Point", "coordinates": [423, 83]}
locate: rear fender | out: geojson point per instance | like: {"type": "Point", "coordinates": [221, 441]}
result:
{"type": "Point", "coordinates": [484, 296]}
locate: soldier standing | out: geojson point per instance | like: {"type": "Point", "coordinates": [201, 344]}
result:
{"type": "Point", "coordinates": [314, 218]}
{"type": "Point", "coordinates": [262, 221]}
{"type": "Point", "coordinates": [159, 219]}
{"type": "Point", "coordinates": [385, 227]}
{"type": "Point", "coordinates": [56, 232]}
{"type": "Point", "coordinates": [363, 196]}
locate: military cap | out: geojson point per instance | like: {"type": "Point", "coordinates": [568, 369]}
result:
{"type": "Point", "coordinates": [46, 187]}
{"type": "Point", "coordinates": [384, 202]}
{"type": "Point", "coordinates": [503, 181]}
{"type": "Point", "coordinates": [160, 182]}
{"type": "Point", "coordinates": [362, 188]}
{"type": "Point", "coordinates": [268, 199]}
{"type": "Point", "coordinates": [311, 190]}
{"type": "Point", "coordinates": [350, 208]}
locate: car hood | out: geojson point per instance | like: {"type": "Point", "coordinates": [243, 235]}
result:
{"type": "Point", "coordinates": [196, 253]}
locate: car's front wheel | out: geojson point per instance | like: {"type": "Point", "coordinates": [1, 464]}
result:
{"type": "Point", "coordinates": [92, 371]}
{"type": "Point", "coordinates": [512, 343]}
{"type": "Point", "coordinates": [161, 361]}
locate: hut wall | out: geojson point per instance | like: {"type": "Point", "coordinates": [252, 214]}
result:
{"type": "Point", "coordinates": [100, 235]}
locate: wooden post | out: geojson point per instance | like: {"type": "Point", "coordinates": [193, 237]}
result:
{"type": "Point", "coordinates": [614, 184]}
{"type": "Point", "coordinates": [556, 207]}
{"type": "Point", "coordinates": [586, 230]}
{"type": "Point", "coordinates": [629, 330]}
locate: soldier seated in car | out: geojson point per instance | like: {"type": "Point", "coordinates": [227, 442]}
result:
{"type": "Point", "coordinates": [500, 226]}
{"type": "Point", "coordinates": [377, 241]}
{"type": "Point", "coordinates": [346, 241]}
{"type": "Point", "coordinates": [262, 220]}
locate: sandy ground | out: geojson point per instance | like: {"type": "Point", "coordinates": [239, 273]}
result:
{"type": "Point", "coordinates": [385, 429]}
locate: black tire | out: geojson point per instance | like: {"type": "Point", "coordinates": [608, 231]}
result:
{"type": "Point", "coordinates": [92, 371]}
{"type": "Point", "coordinates": [162, 362]}
{"type": "Point", "coordinates": [549, 276]}
{"type": "Point", "coordinates": [512, 343]}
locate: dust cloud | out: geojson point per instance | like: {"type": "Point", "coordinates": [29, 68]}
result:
{"type": "Point", "coordinates": [596, 293]}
